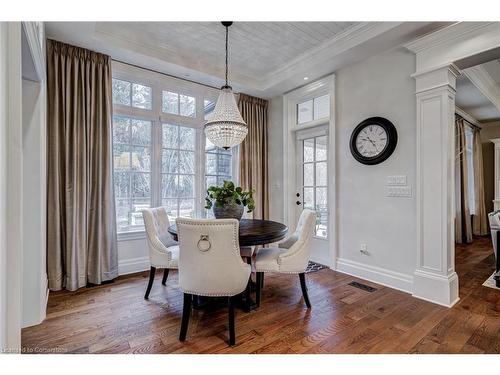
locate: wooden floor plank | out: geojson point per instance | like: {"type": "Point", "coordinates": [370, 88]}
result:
{"type": "Point", "coordinates": [115, 318]}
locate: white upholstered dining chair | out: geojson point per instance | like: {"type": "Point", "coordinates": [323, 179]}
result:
{"type": "Point", "coordinates": [210, 264]}
{"type": "Point", "coordinates": [163, 250]}
{"type": "Point", "coordinates": [291, 256]}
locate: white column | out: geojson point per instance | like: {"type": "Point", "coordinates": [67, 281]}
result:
{"type": "Point", "coordinates": [435, 278]}
{"type": "Point", "coordinates": [496, 200]}
{"type": "Point", "coordinates": [11, 231]}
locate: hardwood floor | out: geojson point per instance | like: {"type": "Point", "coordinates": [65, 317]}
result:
{"type": "Point", "coordinates": [115, 318]}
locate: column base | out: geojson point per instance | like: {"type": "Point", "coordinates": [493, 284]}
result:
{"type": "Point", "coordinates": [442, 290]}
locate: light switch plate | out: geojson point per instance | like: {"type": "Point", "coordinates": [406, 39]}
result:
{"type": "Point", "coordinates": [399, 180]}
{"type": "Point", "coordinates": [398, 192]}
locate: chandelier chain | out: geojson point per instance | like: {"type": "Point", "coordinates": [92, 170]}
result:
{"type": "Point", "coordinates": [227, 32]}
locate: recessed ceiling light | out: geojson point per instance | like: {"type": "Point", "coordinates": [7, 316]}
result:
{"type": "Point", "coordinates": [306, 78]}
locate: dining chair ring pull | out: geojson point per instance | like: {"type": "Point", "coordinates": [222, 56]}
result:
{"type": "Point", "coordinates": [204, 239]}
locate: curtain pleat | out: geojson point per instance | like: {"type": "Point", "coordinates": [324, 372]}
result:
{"type": "Point", "coordinates": [81, 224]}
{"type": "Point", "coordinates": [463, 224]}
{"type": "Point", "coordinates": [479, 219]}
{"type": "Point", "coordinates": [253, 153]}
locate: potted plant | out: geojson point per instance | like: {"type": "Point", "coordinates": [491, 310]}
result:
{"type": "Point", "coordinates": [228, 201]}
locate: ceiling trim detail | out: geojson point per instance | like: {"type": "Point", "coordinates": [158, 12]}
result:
{"type": "Point", "coordinates": [324, 52]}
{"type": "Point", "coordinates": [445, 35]}
{"type": "Point", "coordinates": [484, 83]}
{"type": "Point", "coordinates": [32, 33]}
{"type": "Point", "coordinates": [467, 116]}
{"type": "Point", "coordinates": [328, 50]}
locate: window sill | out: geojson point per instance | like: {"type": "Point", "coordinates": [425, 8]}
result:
{"type": "Point", "coordinates": [132, 235]}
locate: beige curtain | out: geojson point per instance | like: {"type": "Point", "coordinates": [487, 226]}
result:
{"type": "Point", "coordinates": [463, 224]}
{"type": "Point", "coordinates": [479, 219]}
{"type": "Point", "coordinates": [81, 227]}
{"type": "Point", "coordinates": [253, 153]}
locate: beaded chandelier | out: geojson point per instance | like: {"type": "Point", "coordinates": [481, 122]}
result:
{"type": "Point", "coordinates": [225, 127]}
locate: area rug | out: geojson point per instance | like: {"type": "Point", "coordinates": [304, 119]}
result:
{"type": "Point", "coordinates": [313, 267]}
{"type": "Point", "coordinates": [490, 282]}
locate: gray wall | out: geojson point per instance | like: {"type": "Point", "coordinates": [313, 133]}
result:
{"type": "Point", "coordinates": [379, 86]}
{"type": "Point", "coordinates": [275, 157]}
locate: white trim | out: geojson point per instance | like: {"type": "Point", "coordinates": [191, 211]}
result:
{"type": "Point", "coordinates": [437, 302]}
{"type": "Point", "coordinates": [438, 58]}
{"type": "Point", "coordinates": [446, 34]}
{"type": "Point", "coordinates": [436, 288]}
{"type": "Point", "coordinates": [325, 85]}
{"type": "Point", "coordinates": [34, 35]}
{"type": "Point", "coordinates": [134, 265]}
{"type": "Point", "coordinates": [464, 43]}
{"type": "Point", "coordinates": [468, 117]}
{"type": "Point", "coordinates": [132, 235]}
{"type": "Point", "coordinates": [326, 52]}
{"type": "Point", "coordinates": [11, 233]}
{"type": "Point", "coordinates": [382, 276]}
{"type": "Point", "coordinates": [311, 125]}
{"type": "Point", "coordinates": [480, 78]}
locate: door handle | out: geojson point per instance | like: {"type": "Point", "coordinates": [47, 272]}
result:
{"type": "Point", "coordinates": [298, 203]}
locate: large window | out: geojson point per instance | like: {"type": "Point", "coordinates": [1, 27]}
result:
{"type": "Point", "coordinates": [161, 155]}
{"type": "Point", "coordinates": [315, 181]}
{"type": "Point", "coordinates": [132, 170]}
{"type": "Point", "coordinates": [178, 170]}
{"type": "Point", "coordinates": [317, 108]}
{"type": "Point", "coordinates": [469, 146]}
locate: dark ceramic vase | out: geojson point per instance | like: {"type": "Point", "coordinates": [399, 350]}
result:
{"type": "Point", "coordinates": [229, 211]}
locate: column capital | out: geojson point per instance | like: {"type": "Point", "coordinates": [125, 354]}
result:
{"type": "Point", "coordinates": [441, 77]}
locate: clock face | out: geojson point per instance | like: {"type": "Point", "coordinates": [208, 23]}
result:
{"type": "Point", "coordinates": [371, 141]}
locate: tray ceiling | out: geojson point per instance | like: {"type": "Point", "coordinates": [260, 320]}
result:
{"type": "Point", "coordinates": [266, 58]}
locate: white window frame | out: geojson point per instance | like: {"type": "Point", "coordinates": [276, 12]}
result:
{"type": "Point", "coordinates": [315, 89]}
{"type": "Point", "coordinates": [158, 83]}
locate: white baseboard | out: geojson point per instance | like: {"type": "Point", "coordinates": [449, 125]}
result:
{"type": "Point", "coordinates": [133, 265]}
{"type": "Point", "coordinates": [375, 274]}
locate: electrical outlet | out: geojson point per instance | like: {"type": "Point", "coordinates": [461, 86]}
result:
{"type": "Point", "coordinates": [363, 249]}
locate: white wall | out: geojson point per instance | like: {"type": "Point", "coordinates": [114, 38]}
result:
{"type": "Point", "coordinates": [379, 86]}
{"type": "Point", "coordinates": [275, 158]}
{"type": "Point", "coordinates": [34, 291]}
{"type": "Point", "coordinates": [3, 182]}
{"type": "Point", "coordinates": [10, 185]}
{"type": "Point", "coordinates": [133, 255]}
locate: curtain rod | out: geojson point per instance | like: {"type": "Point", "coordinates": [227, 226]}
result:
{"type": "Point", "coordinates": [165, 74]}
{"type": "Point", "coordinates": [468, 122]}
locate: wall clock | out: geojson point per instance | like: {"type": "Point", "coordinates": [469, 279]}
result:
{"type": "Point", "coordinates": [373, 140]}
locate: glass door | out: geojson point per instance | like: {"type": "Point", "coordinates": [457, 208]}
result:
{"type": "Point", "coordinates": [312, 185]}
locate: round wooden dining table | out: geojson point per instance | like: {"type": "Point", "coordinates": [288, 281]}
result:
{"type": "Point", "coordinates": [253, 232]}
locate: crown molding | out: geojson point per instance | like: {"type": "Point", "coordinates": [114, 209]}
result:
{"type": "Point", "coordinates": [325, 52]}
{"type": "Point", "coordinates": [33, 32]}
{"type": "Point", "coordinates": [484, 83]}
{"type": "Point", "coordinates": [468, 117]}
{"type": "Point", "coordinates": [449, 33]}
{"type": "Point", "coordinates": [328, 50]}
